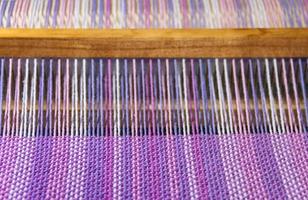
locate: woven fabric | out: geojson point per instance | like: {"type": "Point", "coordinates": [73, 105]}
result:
{"type": "Point", "coordinates": [155, 167]}
{"type": "Point", "coordinates": [153, 13]}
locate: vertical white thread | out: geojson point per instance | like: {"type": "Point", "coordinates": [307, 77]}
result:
{"type": "Point", "coordinates": [245, 96]}
{"type": "Point", "coordinates": [67, 104]}
{"type": "Point", "coordinates": [238, 103]}
{"type": "Point", "coordinates": [229, 96]}
{"type": "Point", "coordinates": [271, 98]}
{"type": "Point", "coordinates": [76, 97]}
{"type": "Point", "coordinates": [33, 101]}
{"type": "Point", "coordinates": [181, 101]}
{"type": "Point", "coordinates": [185, 96]}
{"type": "Point", "coordinates": [213, 97]}
{"type": "Point", "coordinates": [299, 123]}
{"type": "Point", "coordinates": [84, 97]}
{"type": "Point", "coordinates": [282, 123]}
{"type": "Point", "coordinates": [7, 116]}
{"type": "Point", "coordinates": [114, 103]}
{"type": "Point", "coordinates": [131, 104]}
{"type": "Point", "coordinates": [59, 88]}
{"type": "Point", "coordinates": [118, 96]}
{"type": "Point", "coordinates": [135, 96]}
{"type": "Point", "coordinates": [16, 106]}
{"type": "Point", "coordinates": [220, 94]}
{"type": "Point", "coordinates": [24, 112]}
{"type": "Point", "coordinates": [169, 98]}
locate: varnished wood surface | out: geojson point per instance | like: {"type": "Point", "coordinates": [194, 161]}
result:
{"type": "Point", "coordinates": [165, 43]}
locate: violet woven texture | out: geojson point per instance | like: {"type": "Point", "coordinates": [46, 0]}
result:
{"type": "Point", "coordinates": [260, 166]}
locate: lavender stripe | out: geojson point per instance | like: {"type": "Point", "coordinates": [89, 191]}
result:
{"type": "Point", "coordinates": [271, 176]}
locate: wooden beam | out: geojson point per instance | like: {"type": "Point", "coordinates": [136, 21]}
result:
{"type": "Point", "coordinates": [166, 43]}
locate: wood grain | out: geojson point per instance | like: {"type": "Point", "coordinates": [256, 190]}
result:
{"type": "Point", "coordinates": [165, 43]}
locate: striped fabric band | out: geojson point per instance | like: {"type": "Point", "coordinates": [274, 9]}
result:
{"type": "Point", "coordinates": [153, 13]}
{"type": "Point", "coordinates": [241, 166]}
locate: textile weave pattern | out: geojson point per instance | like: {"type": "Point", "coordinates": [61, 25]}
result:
{"type": "Point", "coordinates": [155, 167]}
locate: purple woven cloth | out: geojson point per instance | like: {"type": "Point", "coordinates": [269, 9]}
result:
{"type": "Point", "coordinates": [155, 167]}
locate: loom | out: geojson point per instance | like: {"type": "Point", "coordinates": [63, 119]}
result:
{"type": "Point", "coordinates": [170, 99]}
